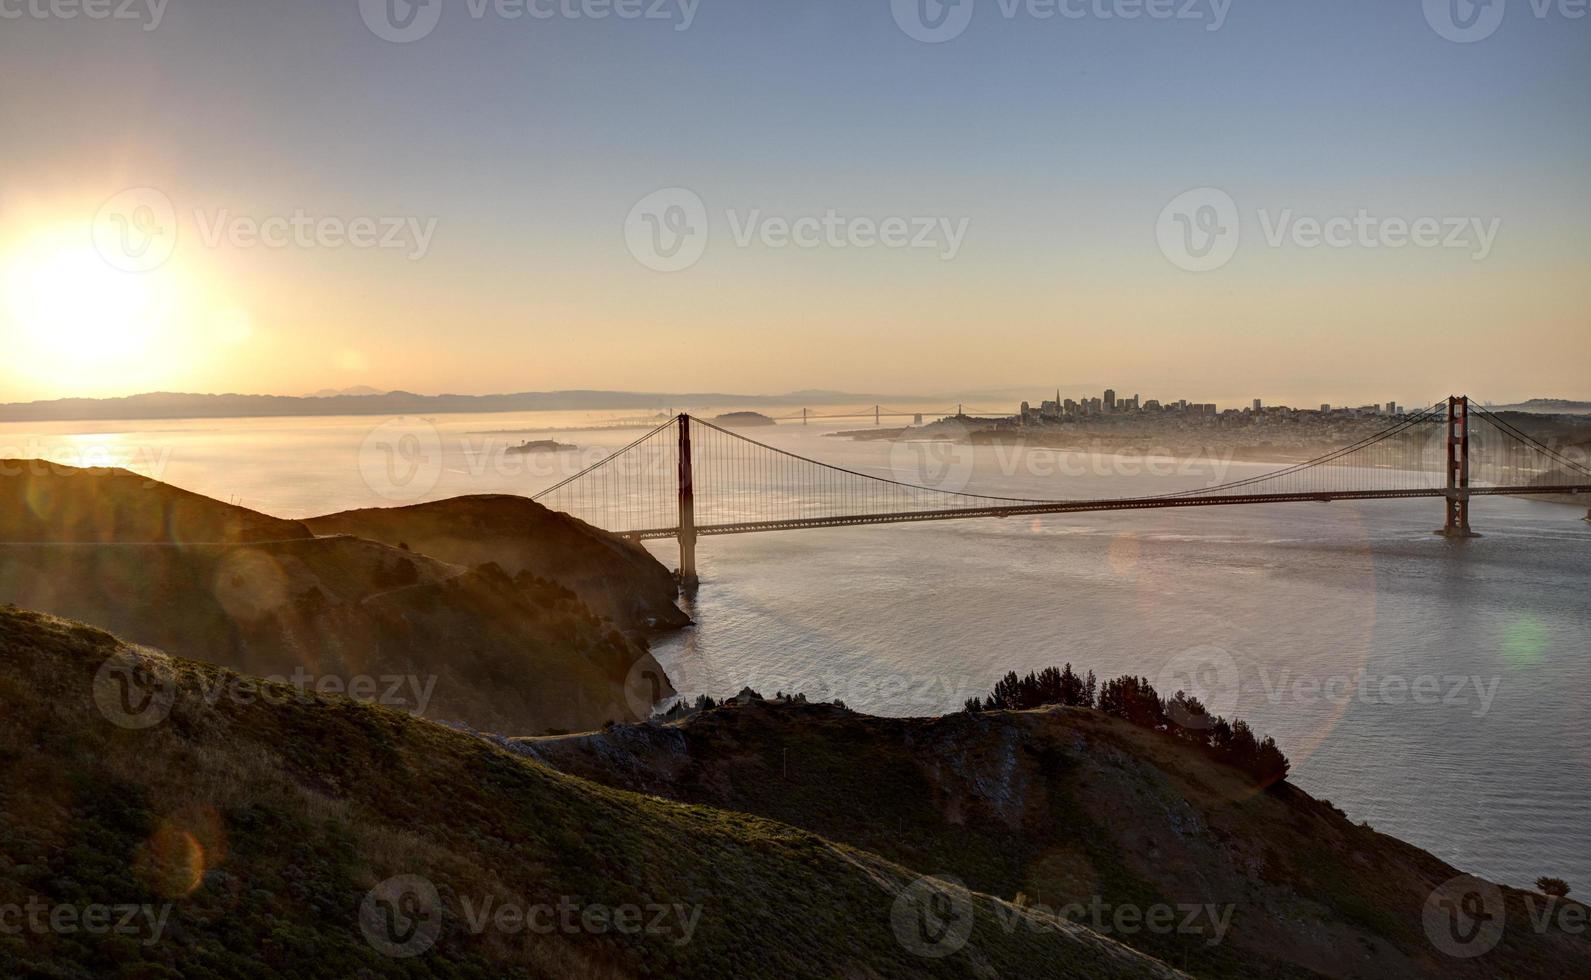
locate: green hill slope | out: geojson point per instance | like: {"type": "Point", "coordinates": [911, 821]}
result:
{"type": "Point", "coordinates": [1070, 807]}
{"type": "Point", "coordinates": [617, 578]}
{"type": "Point", "coordinates": [203, 579]}
{"type": "Point", "coordinates": [259, 832]}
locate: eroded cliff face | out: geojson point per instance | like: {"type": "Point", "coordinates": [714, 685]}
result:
{"type": "Point", "coordinates": [1069, 807]}
{"type": "Point", "coordinates": [512, 653]}
{"type": "Point", "coordinates": [617, 578]}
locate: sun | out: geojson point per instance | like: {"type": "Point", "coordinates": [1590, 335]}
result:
{"type": "Point", "coordinates": [63, 298]}
{"type": "Point", "coordinates": [70, 314]}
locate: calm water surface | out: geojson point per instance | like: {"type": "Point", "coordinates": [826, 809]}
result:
{"type": "Point", "coordinates": [1435, 689]}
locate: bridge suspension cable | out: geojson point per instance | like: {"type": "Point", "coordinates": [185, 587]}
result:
{"type": "Point", "coordinates": [739, 484]}
{"type": "Point", "coordinates": [1501, 455]}
{"type": "Point", "coordinates": [1403, 456]}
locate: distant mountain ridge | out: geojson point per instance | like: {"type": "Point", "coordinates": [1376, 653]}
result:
{"type": "Point", "coordinates": [185, 405]}
{"type": "Point", "coordinates": [1554, 405]}
{"type": "Point", "coordinates": [355, 390]}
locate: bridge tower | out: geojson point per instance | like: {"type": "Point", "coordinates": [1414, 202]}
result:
{"type": "Point", "coordinates": [687, 508]}
{"type": "Point", "coordinates": [1457, 524]}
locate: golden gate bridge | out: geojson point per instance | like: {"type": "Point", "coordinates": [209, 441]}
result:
{"type": "Point", "coordinates": [689, 478]}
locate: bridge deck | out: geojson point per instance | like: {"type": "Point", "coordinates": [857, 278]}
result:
{"type": "Point", "coordinates": [1093, 506]}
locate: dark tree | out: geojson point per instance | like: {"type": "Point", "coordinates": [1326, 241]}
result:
{"type": "Point", "coordinates": [1133, 699]}
{"type": "Point", "coordinates": [1007, 693]}
{"type": "Point", "coordinates": [1244, 749]}
{"type": "Point", "coordinates": [1270, 765]}
{"type": "Point", "coordinates": [1188, 719]}
{"type": "Point", "coordinates": [1075, 692]}
{"type": "Point", "coordinates": [1047, 687]}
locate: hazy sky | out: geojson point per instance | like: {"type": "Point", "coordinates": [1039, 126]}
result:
{"type": "Point", "coordinates": [1002, 199]}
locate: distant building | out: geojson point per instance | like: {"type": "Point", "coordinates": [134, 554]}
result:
{"type": "Point", "coordinates": [1110, 400]}
{"type": "Point", "coordinates": [1325, 408]}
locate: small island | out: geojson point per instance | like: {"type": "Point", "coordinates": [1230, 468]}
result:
{"type": "Point", "coordinates": [743, 420]}
{"type": "Point", "coordinates": [542, 446]}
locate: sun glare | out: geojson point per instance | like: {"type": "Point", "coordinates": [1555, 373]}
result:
{"type": "Point", "coordinates": [68, 310]}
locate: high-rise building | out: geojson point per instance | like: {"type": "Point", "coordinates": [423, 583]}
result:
{"type": "Point", "coordinates": [1392, 408]}
{"type": "Point", "coordinates": [1110, 400]}
{"type": "Point", "coordinates": [1257, 408]}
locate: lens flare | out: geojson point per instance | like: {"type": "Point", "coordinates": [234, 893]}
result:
{"type": "Point", "coordinates": [1525, 642]}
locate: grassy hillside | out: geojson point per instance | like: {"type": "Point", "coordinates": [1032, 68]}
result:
{"type": "Point", "coordinates": [42, 501]}
{"type": "Point", "coordinates": [287, 835]}
{"type": "Point", "coordinates": [1064, 805]}
{"type": "Point", "coordinates": [618, 579]}
{"type": "Point", "coordinates": [206, 580]}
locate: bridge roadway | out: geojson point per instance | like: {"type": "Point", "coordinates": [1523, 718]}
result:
{"type": "Point", "coordinates": [1092, 506]}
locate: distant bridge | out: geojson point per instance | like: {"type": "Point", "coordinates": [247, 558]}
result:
{"type": "Point", "coordinates": [878, 414]}
{"type": "Point", "coordinates": [689, 478]}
